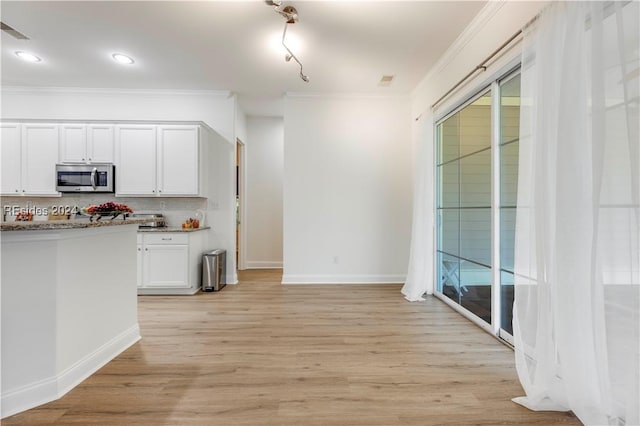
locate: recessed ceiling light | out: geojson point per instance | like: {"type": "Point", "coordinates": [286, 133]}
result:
{"type": "Point", "coordinates": [27, 56]}
{"type": "Point", "coordinates": [122, 59]}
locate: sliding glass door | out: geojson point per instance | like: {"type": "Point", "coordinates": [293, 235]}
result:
{"type": "Point", "coordinates": [476, 142]}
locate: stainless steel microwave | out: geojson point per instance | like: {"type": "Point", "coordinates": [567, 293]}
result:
{"type": "Point", "coordinates": [85, 177]}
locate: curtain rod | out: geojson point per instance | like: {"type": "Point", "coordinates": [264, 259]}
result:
{"type": "Point", "coordinates": [482, 67]}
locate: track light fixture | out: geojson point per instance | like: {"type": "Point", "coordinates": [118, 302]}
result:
{"type": "Point", "coordinates": [290, 14]}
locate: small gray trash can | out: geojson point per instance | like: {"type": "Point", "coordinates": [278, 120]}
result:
{"type": "Point", "coordinates": [214, 270]}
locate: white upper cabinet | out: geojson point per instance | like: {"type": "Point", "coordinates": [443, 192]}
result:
{"type": "Point", "coordinates": [100, 143]}
{"type": "Point", "coordinates": [39, 157]}
{"type": "Point", "coordinates": [151, 159]}
{"type": "Point", "coordinates": [157, 160]}
{"type": "Point", "coordinates": [178, 160]}
{"type": "Point", "coordinates": [11, 148]}
{"type": "Point", "coordinates": [73, 143]}
{"type": "Point", "coordinates": [29, 156]}
{"type": "Point", "coordinates": [91, 143]}
{"type": "Point", "coordinates": [135, 160]}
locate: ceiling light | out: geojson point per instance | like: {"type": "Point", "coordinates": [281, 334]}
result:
{"type": "Point", "coordinates": [290, 14]}
{"type": "Point", "coordinates": [294, 43]}
{"type": "Point", "coordinates": [27, 56]}
{"type": "Point", "coordinates": [122, 59]}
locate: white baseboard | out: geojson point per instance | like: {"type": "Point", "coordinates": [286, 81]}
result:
{"type": "Point", "coordinates": [263, 264]}
{"type": "Point", "coordinates": [48, 390]}
{"type": "Point", "coordinates": [343, 279]}
{"type": "Point", "coordinates": [29, 396]}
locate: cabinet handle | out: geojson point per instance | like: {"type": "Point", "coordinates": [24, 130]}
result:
{"type": "Point", "coordinates": [139, 249]}
{"type": "Point", "coordinates": [167, 239]}
{"type": "Point", "coordinates": [153, 190]}
{"type": "Point", "coordinates": [89, 159]}
{"type": "Point", "coordinates": [146, 249]}
{"type": "Point", "coordinates": [24, 190]}
{"type": "Point", "coordinates": [17, 190]}
{"type": "Point", "coordinates": [83, 159]}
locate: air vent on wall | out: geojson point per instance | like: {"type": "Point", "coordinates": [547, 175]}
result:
{"type": "Point", "coordinates": [12, 32]}
{"type": "Point", "coordinates": [386, 80]}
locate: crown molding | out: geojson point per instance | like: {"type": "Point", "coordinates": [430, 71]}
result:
{"type": "Point", "coordinates": [115, 91]}
{"type": "Point", "coordinates": [345, 95]}
{"type": "Point", "coordinates": [469, 33]}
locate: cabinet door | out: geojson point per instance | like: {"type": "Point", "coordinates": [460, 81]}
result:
{"type": "Point", "coordinates": [140, 260]}
{"type": "Point", "coordinates": [166, 265]}
{"type": "Point", "coordinates": [100, 143]}
{"type": "Point", "coordinates": [11, 159]}
{"type": "Point", "coordinates": [178, 160]}
{"type": "Point", "coordinates": [39, 158]}
{"type": "Point", "coordinates": [73, 143]}
{"type": "Point", "coordinates": [135, 160]}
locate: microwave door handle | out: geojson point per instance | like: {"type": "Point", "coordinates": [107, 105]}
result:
{"type": "Point", "coordinates": [93, 178]}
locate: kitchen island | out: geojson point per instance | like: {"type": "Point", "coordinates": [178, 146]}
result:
{"type": "Point", "coordinates": [68, 296]}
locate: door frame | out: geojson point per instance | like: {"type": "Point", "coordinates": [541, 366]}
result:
{"type": "Point", "coordinates": [241, 186]}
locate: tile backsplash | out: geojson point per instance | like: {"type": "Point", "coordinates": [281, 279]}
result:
{"type": "Point", "coordinates": [175, 210]}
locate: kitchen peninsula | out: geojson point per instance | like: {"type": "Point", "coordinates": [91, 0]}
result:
{"type": "Point", "coordinates": [68, 304]}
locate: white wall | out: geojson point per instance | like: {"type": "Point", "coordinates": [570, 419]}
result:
{"type": "Point", "coordinates": [220, 176]}
{"type": "Point", "coordinates": [493, 26]}
{"type": "Point", "coordinates": [347, 189]}
{"type": "Point", "coordinates": [216, 109]}
{"type": "Point", "coordinates": [240, 123]}
{"type": "Point", "coordinates": [264, 173]}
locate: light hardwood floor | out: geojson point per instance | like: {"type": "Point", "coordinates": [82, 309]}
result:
{"type": "Point", "coordinates": [261, 353]}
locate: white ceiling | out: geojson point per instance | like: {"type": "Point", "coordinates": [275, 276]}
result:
{"type": "Point", "coordinates": [345, 46]}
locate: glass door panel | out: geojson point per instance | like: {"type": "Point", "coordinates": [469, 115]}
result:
{"type": "Point", "coordinates": [464, 207]}
{"type": "Point", "coordinates": [450, 185]}
{"type": "Point", "coordinates": [509, 151]}
{"type": "Point", "coordinates": [449, 132]}
{"type": "Point", "coordinates": [475, 286]}
{"type": "Point", "coordinates": [475, 180]}
{"type": "Point", "coordinates": [449, 284]}
{"type": "Point", "coordinates": [475, 235]}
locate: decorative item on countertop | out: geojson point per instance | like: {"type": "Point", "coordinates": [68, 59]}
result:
{"type": "Point", "coordinates": [105, 210]}
{"type": "Point", "coordinates": [191, 223]}
{"type": "Point", "coordinates": [200, 217]}
{"type": "Point", "coordinates": [53, 216]}
{"type": "Point", "coordinates": [24, 217]}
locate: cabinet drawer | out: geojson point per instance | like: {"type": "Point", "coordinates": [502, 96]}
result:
{"type": "Point", "coordinates": [166, 238]}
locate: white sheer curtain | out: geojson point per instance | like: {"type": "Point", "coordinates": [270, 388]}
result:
{"type": "Point", "coordinates": [420, 274]}
{"type": "Point", "coordinates": [577, 296]}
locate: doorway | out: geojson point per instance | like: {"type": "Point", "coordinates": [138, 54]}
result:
{"type": "Point", "coordinates": [240, 204]}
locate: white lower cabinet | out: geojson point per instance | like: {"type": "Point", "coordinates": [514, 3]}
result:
{"type": "Point", "coordinates": [169, 262]}
{"type": "Point", "coordinates": [139, 260]}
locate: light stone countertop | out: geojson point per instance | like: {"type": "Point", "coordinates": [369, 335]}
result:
{"type": "Point", "coordinates": [69, 224]}
{"type": "Point", "coordinates": [173, 229]}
